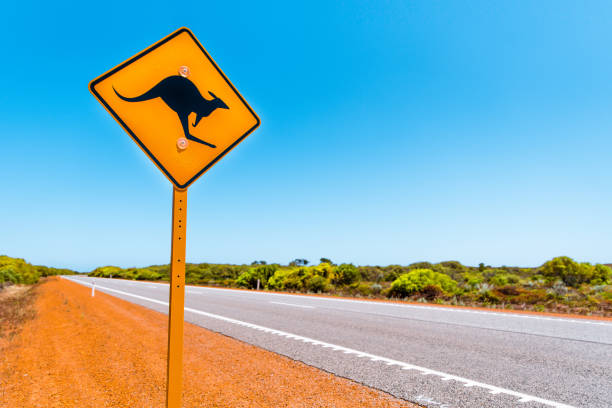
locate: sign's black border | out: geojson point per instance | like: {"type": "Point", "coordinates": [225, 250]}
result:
{"type": "Point", "coordinates": [92, 88]}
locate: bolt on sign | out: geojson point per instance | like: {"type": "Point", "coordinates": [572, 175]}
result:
{"type": "Point", "coordinates": [178, 105]}
{"type": "Point", "coordinates": [185, 114]}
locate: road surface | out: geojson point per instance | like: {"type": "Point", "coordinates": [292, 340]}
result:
{"type": "Point", "coordinates": [438, 357]}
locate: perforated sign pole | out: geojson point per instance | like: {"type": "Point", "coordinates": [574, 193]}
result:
{"type": "Point", "coordinates": [174, 385]}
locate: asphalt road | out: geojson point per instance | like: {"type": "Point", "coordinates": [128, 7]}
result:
{"type": "Point", "coordinates": [438, 357]}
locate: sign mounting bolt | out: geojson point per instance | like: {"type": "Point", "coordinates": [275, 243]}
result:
{"type": "Point", "coordinates": [182, 143]}
{"type": "Point", "coordinates": [184, 71]}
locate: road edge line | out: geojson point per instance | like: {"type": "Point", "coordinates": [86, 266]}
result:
{"type": "Point", "coordinates": [403, 365]}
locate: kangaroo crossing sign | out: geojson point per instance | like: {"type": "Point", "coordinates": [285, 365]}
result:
{"type": "Point", "coordinates": [177, 104]}
{"type": "Point", "coordinates": [185, 114]}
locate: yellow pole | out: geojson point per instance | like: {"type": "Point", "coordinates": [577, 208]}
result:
{"type": "Point", "coordinates": [174, 386]}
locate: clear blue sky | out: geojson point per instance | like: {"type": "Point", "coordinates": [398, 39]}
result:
{"type": "Point", "coordinates": [392, 132]}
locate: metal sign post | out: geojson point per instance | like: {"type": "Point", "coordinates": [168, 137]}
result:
{"type": "Point", "coordinates": [177, 299]}
{"type": "Point", "coordinates": [185, 114]}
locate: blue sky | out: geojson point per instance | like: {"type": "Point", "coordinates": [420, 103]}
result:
{"type": "Point", "coordinates": [392, 132]}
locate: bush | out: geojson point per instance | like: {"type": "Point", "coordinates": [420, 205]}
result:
{"type": "Point", "coordinates": [420, 265]}
{"type": "Point", "coordinates": [602, 275]}
{"type": "Point", "coordinates": [415, 282]}
{"type": "Point", "coordinates": [289, 279]}
{"type": "Point", "coordinates": [324, 269]}
{"type": "Point", "coordinates": [346, 274]}
{"type": "Point", "coordinates": [316, 283]}
{"type": "Point", "coordinates": [361, 288]}
{"type": "Point", "coordinates": [504, 279]}
{"type": "Point", "coordinates": [7, 277]}
{"type": "Point", "coordinates": [453, 265]}
{"type": "Point", "coordinates": [276, 281]}
{"type": "Point", "coordinates": [472, 280]}
{"type": "Point", "coordinates": [107, 271]}
{"type": "Point", "coordinates": [247, 279]}
{"type": "Point", "coordinates": [392, 272]}
{"type": "Point", "coordinates": [146, 274]}
{"type": "Point", "coordinates": [372, 273]}
{"type": "Point", "coordinates": [574, 274]}
{"type": "Point", "coordinates": [262, 273]}
{"type": "Point", "coordinates": [17, 270]}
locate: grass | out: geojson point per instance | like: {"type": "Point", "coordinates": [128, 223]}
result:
{"type": "Point", "coordinates": [16, 307]}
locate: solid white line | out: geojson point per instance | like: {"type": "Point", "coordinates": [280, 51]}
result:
{"type": "Point", "coordinates": [404, 366]}
{"type": "Point", "coordinates": [294, 305]}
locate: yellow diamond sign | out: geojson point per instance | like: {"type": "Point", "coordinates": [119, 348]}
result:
{"type": "Point", "coordinates": [178, 105]}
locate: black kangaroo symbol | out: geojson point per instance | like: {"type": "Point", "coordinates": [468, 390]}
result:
{"type": "Point", "coordinates": [182, 96]}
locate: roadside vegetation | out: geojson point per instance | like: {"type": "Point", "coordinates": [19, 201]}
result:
{"type": "Point", "coordinates": [18, 271]}
{"type": "Point", "coordinates": [559, 285]}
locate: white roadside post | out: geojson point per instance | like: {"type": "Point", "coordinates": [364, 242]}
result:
{"type": "Point", "coordinates": [93, 289]}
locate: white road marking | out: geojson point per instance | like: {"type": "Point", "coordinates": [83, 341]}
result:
{"type": "Point", "coordinates": [294, 305]}
{"type": "Point", "coordinates": [360, 354]}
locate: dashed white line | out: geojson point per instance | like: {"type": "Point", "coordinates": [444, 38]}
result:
{"type": "Point", "coordinates": [293, 304]}
{"type": "Point", "coordinates": [492, 389]}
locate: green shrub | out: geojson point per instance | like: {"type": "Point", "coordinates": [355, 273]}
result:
{"type": "Point", "coordinates": [372, 273]}
{"type": "Point", "coordinates": [107, 271]}
{"type": "Point", "coordinates": [289, 279]}
{"type": "Point", "coordinates": [574, 274]}
{"type": "Point", "coordinates": [17, 270]}
{"type": "Point", "coordinates": [602, 275]}
{"type": "Point", "coordinates": [454, 265]}
{"type": "Point", "coordinates": [472, 280]}
{"type": "Point", "coordinates": [346, 274]}
{"type": "Point", "coordinates": [504, 279]}
{"type": "Point", "coordinates": [316, 283]}
{"type": "Point", "coordinates": [392, 272]}
{"type": "Point", "coordinates": [324, 269]}
{"type": "Point", "coordinates": [297, 279]}
{"type": "Point", "coordinates": [419, 265]}
{"type": "Point", "coordinates": [247, 279]}
{"type": "Point", "coordinates": [263, 273]}
{"type": "Point", "coordinates": [147, 274]}
{"type": "Point", "coordinates": [607, 294]}
{"type": "Point", "coordinates": [414, 282]}
{"type": "Point", "coordinates": [276, 281]}
{"type": "Point", "coordinates": [562, 267]}
{"type": "Point", "coordinates": [7, 275]}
